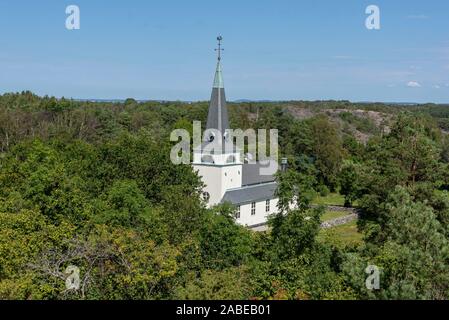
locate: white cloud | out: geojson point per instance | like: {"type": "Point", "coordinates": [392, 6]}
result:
{"type": "Point", "coordinates": [413, 84]}
{"type": "Point", "coordinates": [437, 86]}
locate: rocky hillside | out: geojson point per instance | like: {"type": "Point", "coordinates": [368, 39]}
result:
{"type": "Point", "coordinates": [360, 123]}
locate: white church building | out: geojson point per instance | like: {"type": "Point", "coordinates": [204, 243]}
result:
{"type": "Point", "coordinates": [226, 176]}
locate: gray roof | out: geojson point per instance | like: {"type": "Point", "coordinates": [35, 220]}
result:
{"type": "Point", "coordinates": [251, 174]}
{"type": "Point", "coordinates": [218, 111]}
{"type": "Point", "coordinates": [249, 194]}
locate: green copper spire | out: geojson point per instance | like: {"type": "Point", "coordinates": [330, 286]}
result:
{"type": "Point", "coordinates": [218, 81]}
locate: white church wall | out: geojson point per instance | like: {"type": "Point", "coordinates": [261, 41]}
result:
{"type": "Point", "coordinates": [219, 179]}
{"type": "Point", "coordinates": [260, 216]}
{"type": "Point", "coordinates": [211, 177]}
{"type": "Point", "coordinates": [231, 178]}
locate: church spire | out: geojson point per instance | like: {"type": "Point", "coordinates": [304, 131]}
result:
{"type": "Point", "coordinates": [218, 113]}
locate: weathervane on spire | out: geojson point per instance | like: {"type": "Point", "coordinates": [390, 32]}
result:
{"type": "Point", "coordinates": [219, 38]}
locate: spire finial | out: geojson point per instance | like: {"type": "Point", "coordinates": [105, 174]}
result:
{"type": "Point", "coordinates": [219, 50]}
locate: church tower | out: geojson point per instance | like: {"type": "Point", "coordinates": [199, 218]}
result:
{"type": "Point", "coordinates": [216, 159]}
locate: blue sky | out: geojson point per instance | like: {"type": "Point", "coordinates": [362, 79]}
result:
{"type": "Point", "coordinates": [307, 50]}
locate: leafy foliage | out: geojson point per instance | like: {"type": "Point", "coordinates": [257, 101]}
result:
{"type": "Point", "coordinates": [91, 185]}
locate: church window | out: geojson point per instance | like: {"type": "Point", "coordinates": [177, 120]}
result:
{"type": "Point", "coordinates": [206, 196]}
{"type": "Point", "coordinates": [237, 213]}
{"type": "Point", "coordinates": [253, 209]}
{"type": "Point", "coordinates": [267, 206]}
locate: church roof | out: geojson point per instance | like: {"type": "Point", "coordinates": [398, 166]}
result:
{"type": "Point", "coordinates": [254, 193]}
{"type": "Point", "coordinates": [251, 174]}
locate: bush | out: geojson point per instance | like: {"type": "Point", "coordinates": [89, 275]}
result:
{"type": "Point", "coordinates": [323, 190]}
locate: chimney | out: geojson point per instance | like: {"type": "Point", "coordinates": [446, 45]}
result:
{"type": "Point", "coordinates": [284, 164]}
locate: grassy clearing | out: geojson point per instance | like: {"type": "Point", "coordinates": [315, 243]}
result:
{"type": "Point", "coordinates": [332, 199]}
{"type": "Point", "coordinates": [341, 236]}
{"type": "Point", "coordinates": [330, 215]}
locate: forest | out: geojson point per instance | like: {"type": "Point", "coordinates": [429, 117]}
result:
{"type": "Point", "coordinates": [91, 184]}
